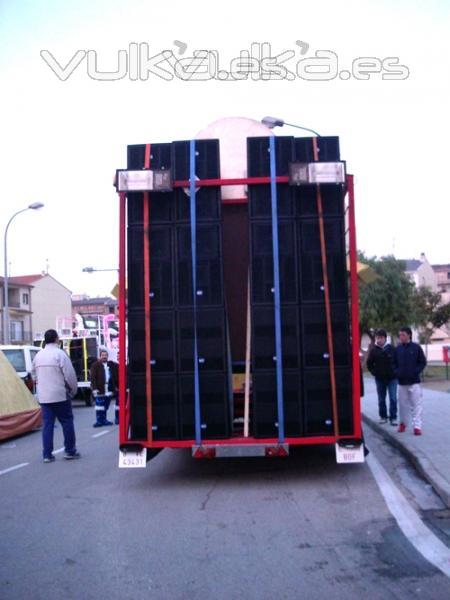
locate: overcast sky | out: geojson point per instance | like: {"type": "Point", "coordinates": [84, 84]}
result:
{"type": "Point", "coordinates": [61, 141]}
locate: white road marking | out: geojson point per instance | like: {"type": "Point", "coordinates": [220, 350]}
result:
{"type": "Point", "coordinates": [420, 536]}
{"type": "Point", "coordinates": [8, 446]}
{"type": "Point", "coordinates": [59, 450]}
{"type": "Point", "coordinates": [13, 468]}
{"type": "Point", "coordinates": [97, 435]}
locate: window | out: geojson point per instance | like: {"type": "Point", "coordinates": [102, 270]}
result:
{"type": "Point", "coordinates": [16, 358]}
{"type": "Point", "coordinates": [25, 299]}
{"type": "Point", "coordinates": [17, 331]}
{"type": "Point", "coordinates": [448, 274]}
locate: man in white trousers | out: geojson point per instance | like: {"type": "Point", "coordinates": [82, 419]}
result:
{"type": "Point", "coordinates": [409, 362]}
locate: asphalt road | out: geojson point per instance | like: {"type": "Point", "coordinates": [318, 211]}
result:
{"type": "Point", "coordinates": [293, 528]}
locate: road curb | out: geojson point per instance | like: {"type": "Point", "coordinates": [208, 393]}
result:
{"type": "Point", "coordinates": [419, 461]}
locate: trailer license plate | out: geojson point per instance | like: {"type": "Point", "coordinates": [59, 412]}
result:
{"type": "Point", "coordinates": [132, 459]}
{"type": "Point", "coordinates": [350, 454]}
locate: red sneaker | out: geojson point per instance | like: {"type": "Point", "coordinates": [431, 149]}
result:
{"type": "Point", "coordinates": [417, 431]}
{"type": "Point", "coordinates": [401, 428]}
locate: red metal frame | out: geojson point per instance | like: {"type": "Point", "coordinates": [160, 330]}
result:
{"type": "Point", "coordinates": [354, 300]}
{"type": "Point", "coordinates": [319, 440]}
{"type": "Point", "coordinates": [247, 441]}
{"type": "Point", "coordinates": [237, 181]}
{"type": "Point", "coordinates": [123, 408]}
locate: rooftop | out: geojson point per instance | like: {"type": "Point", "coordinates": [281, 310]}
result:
{"type": "Point", "coordinates": [12, 281]}
{"type": "Point", "coordinates": [29, 280]}
{"type": "Point", "coordinates": [101, 300]}
{"type": "Point", "coordinates": [411, 264]}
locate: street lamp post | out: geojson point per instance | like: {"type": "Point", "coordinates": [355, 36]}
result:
{"type": "Point", "coordinates": [94, 270]}
{"type": "Point", "coordinates": [6, 332]}
{"type": "Point", "coordinates": [272, 122]}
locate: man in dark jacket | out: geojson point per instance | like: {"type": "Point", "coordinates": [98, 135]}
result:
{"type": "Point", "coordinates": [409, 362]}
{"type": "Point", "coordinates": [105, 386]}
{"type": "Point", "coordinates": [380, 363]}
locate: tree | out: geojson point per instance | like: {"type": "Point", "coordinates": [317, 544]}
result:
{"type": "Point", "coordinates": [428, 312]}
{"type": "Point", "coordinates": [388, 301]}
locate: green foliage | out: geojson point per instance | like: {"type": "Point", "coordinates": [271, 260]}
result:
{"type": "Point", "coordinates": [428, 313]}
{"type": "Point", "coordinates": [388, 301]}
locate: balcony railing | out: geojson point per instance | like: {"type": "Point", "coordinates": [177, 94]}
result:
{"type": "Point", "coordinates": [24, 337]}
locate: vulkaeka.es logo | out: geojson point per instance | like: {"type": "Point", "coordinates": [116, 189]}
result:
{"type": "Point", "coordinates": [258, 63]}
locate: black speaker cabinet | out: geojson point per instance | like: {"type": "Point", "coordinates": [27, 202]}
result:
{"type": "Point", "coordinates": [162, 342]}
{"type": "Point", "coordinates": [318, 412]}
{"type": "Point", "coordinates": [263, 337]}
{"type": "Point", "coordinates": [315, 338]}
{"type": "Point", "coordinates": [209, 266]}
{"type": "Point", "coordinates": [311, 270]}
{"type": "Point", "coordinates": [215, 406]}
{"type": "Point", "coordinates": [211, 340]}
{"type": "Point", "coordinates": [164, 407]}
{"type": "Point", "coordinates": [265, 407]}
{"type": "Point", "coordinates": [262, 275]}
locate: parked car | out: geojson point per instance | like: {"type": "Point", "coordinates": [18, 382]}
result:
{"type": "Point", "coordinates": [21, 358]}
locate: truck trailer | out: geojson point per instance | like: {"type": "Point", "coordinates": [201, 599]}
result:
{"type": "Point", "coordinates": [238, 296]}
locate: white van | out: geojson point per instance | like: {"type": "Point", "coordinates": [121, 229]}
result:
{"type": "Point", "coordinates": [21, 358]}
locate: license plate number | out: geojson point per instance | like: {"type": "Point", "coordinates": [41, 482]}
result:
{"type": "Point", "coordinates": [351, 454]}
{"type": "Point", "coordinates": [133, 459]}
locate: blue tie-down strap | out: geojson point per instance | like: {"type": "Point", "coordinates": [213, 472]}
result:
{"type": "Point", "coordinates": [193, 211]}
{"type": "Point", "coordinates": [276, 285]}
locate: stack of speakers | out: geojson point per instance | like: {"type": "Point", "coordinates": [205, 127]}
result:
{"type": "Point", "coordinates": [172, 317]}
{"type": "Point", "coordinates": [305, 353]}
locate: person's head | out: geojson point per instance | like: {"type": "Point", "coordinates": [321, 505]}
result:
{"type": "Point", "coordinates": [405, 335]}
{"type": "Point", "coordinates": [104, 356]}
{"type": "Point", "coordinates": [380, 337]}
{"type": "Point", "coordinates": [51, 337]}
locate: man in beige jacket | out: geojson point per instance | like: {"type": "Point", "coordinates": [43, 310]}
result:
{"type": "Point", "coordinates": [56, 386]}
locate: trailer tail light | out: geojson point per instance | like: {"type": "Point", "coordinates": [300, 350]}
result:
{"type": "Point", "coordinates": [279, 451]}
{"type": "Point", "coordinates": [203, 452]}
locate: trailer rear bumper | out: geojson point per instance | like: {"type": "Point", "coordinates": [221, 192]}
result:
{"type": "Point", "coordinates": [240, 451]}
{"type": "Point", "coordinates": [348, 450]}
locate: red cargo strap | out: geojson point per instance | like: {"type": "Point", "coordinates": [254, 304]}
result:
{"type": "Point", "coordinates": [323, 252]}
{"type": "Point", "coordinates": [148, 354]}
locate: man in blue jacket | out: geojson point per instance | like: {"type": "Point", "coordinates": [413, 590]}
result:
{"type": "Point", "coordinates": [380, 363]}
{"type": "Point", "coordinates": [409, 362]}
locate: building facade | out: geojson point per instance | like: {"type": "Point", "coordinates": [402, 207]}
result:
{"type": "Point", "coordinates": [421, 273]}
{"type": "Point", "coordinates": [93, 308]}
{"type": "Point", "coordinates": [20, 311]}
{"type": "Point", "coordinates": [50, 301]}
{"type": "Point", "coordinates": [443, 281]}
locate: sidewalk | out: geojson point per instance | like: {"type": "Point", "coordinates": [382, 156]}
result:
{"type": "Point", "coordinates": [430, 452]}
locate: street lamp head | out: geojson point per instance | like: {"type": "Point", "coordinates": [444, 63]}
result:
{"type": "Point", "coordinates": [35, 205]}
{"type": "Point", "coordinates": [88, 269]}
{"type": "Point", "coordinates": [272, 122]}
